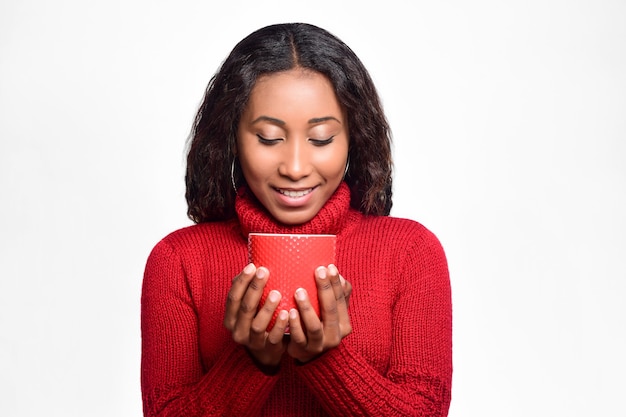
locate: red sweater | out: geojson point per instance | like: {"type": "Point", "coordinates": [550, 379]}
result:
{"type": "Point", "coordinates": [396, 362]}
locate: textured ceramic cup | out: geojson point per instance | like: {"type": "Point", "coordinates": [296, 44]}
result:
{"type": "Point", "coordinates": [292, 260]}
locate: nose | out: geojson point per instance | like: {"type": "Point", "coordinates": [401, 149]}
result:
{"type": "Point", "coordinates": [296, 163]}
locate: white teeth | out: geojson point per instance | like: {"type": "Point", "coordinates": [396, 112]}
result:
{"type": "Point", "coordinates": [295, 194]}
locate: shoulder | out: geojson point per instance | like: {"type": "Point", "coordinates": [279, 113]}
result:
{"type": "Point", "coordinates": [405, 247]}
{"type": "Point", "coordinates": [400, 231]}
{"type": "Point", "coordinates": [196, 238]}
{"type": "Point", "coordinates": [410, 244]}
{"type": "Point", "coordinates": [417, 252]}
{"type": "Point", "coordinates": [186, 254]}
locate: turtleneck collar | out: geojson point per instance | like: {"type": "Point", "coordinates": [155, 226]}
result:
{"type": "Point", "coordinates": [253, 217]}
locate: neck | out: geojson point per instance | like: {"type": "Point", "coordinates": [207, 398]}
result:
{"type": "Point", "coordinates": [253, 217]}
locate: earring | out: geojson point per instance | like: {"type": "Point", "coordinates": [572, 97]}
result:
{"type": "Point", "coordinates": [232, 175]}
{"type": "Point", "coordinates": [346, 170]}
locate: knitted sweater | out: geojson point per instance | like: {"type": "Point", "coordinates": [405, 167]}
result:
{"type": "Point", "coordinates": [396, 362]}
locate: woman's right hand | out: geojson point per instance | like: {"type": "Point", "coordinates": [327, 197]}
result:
{"type": "Point", "coordinates": [248, 327]}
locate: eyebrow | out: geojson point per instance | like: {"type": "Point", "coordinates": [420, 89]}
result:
{"type": "Point", "coordinates": [317, 120]}
{"type": "Point", "coordinates": [279, 122]}
{"type": "Point", "coordinates": [268, 119]}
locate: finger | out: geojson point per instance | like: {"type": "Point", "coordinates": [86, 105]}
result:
{"type": "Point", "coordinates": [328, 290]}
{"type": "Point", "coordinates": [295, 329]}
{"type": "Point", "coordinates": [310, 320]}
{"type": "Point", "coordinates": [335, 280]}
{"type": "Point", "coordinates": [347, 289]}
{"type": "Point", "coordinates": [342, 303]}
{"type": "Point", "coordinates": [258, 328]}
{"type": "Point", "coordinates": [248, 305]}
{"type": "Point", "coordinates": [278, 331]}
{"type": "Point", "coordinates": [331, 297]}
{"type": "Point", "coordinates": [339, 288]}
{"type": "Point", "coordinates": [235, 295]}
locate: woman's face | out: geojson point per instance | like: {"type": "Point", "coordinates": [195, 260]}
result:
{"type": "Point", "coordinates": [292, 144]}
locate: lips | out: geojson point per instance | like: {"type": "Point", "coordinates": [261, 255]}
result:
{"type": "Point", "coordinates": [294, 193]}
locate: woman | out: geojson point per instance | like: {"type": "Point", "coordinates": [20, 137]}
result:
{"type": "Point", "coordinates": [291, 138]}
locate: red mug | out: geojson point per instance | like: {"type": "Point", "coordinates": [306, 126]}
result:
{"type": "Point", "coordinates": [291, 260]}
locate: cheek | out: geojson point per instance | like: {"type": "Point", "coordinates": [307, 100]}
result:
{"type": "Point", "coordinates": [247, 167]}
{"type": "Point", "coordinates": [333, 163]}
{"type": "Point", "coordinates": [252, 172]}
{"type": "Point", "coordinates": [249, 159]}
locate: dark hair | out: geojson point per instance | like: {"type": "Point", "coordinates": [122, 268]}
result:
{"type": "Point", "coordinates": [210, 194]}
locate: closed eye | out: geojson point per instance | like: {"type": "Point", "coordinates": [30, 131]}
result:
{"type": "Point", "coordinates": [266, 141]}
{"type": "Point", "coordinates": [322, 142]}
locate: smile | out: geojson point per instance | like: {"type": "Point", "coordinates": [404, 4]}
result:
{"type": "Point", "coordinates": [295, 194]}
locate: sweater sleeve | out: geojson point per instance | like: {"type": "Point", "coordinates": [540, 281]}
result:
{"type": "Point", "coordinates": [173, 380]}
{"type": "Point", "coordinates": [418, 381]}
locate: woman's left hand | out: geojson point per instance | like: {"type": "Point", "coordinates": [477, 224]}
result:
{"type": "Point", "coordinates": [320, 335]}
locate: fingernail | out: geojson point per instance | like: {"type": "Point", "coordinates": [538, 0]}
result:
{"type": "Point", "coordinates": [293, 313]}
{"type": "Point", "coordinates": [301, 294]}
{"type": "Point", "coordinates": [332, 269]}
{"type": "Point", "coordinates": [249, 269]}
{"type": "Point", "coordinates": [283, 315]}
{"type": "Point", "coordinates": [321, 272]}
{"type": "Point", "coordinates": [261, 273]}
{"type": "Point", "coordinates": [342, 280]}
{"type": "Point", "coordinates": [273, 296]}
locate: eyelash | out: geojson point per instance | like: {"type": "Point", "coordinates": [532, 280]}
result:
{"type": "Point", "coordinates": [322, 142]}
{"type": "Point", "coordinates": [266, 141]}
{"type": "Point", "coordinates": [315, 142]}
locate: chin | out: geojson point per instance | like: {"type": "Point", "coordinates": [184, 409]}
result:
{"type": "Point", "coordinates": [294, 219]}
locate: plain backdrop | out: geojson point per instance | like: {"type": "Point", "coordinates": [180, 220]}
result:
{"type": "Point", "coordinates": [509, 122]}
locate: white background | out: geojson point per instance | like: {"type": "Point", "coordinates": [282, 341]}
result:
{"type": "Point", "coordinates": [509, 123]}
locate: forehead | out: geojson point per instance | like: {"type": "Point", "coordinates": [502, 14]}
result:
{"type": "Point", "coordinates": [299, 88]}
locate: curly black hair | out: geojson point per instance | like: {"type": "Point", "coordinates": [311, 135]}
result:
{"type": "Point", "coordinates": [276, 48]}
